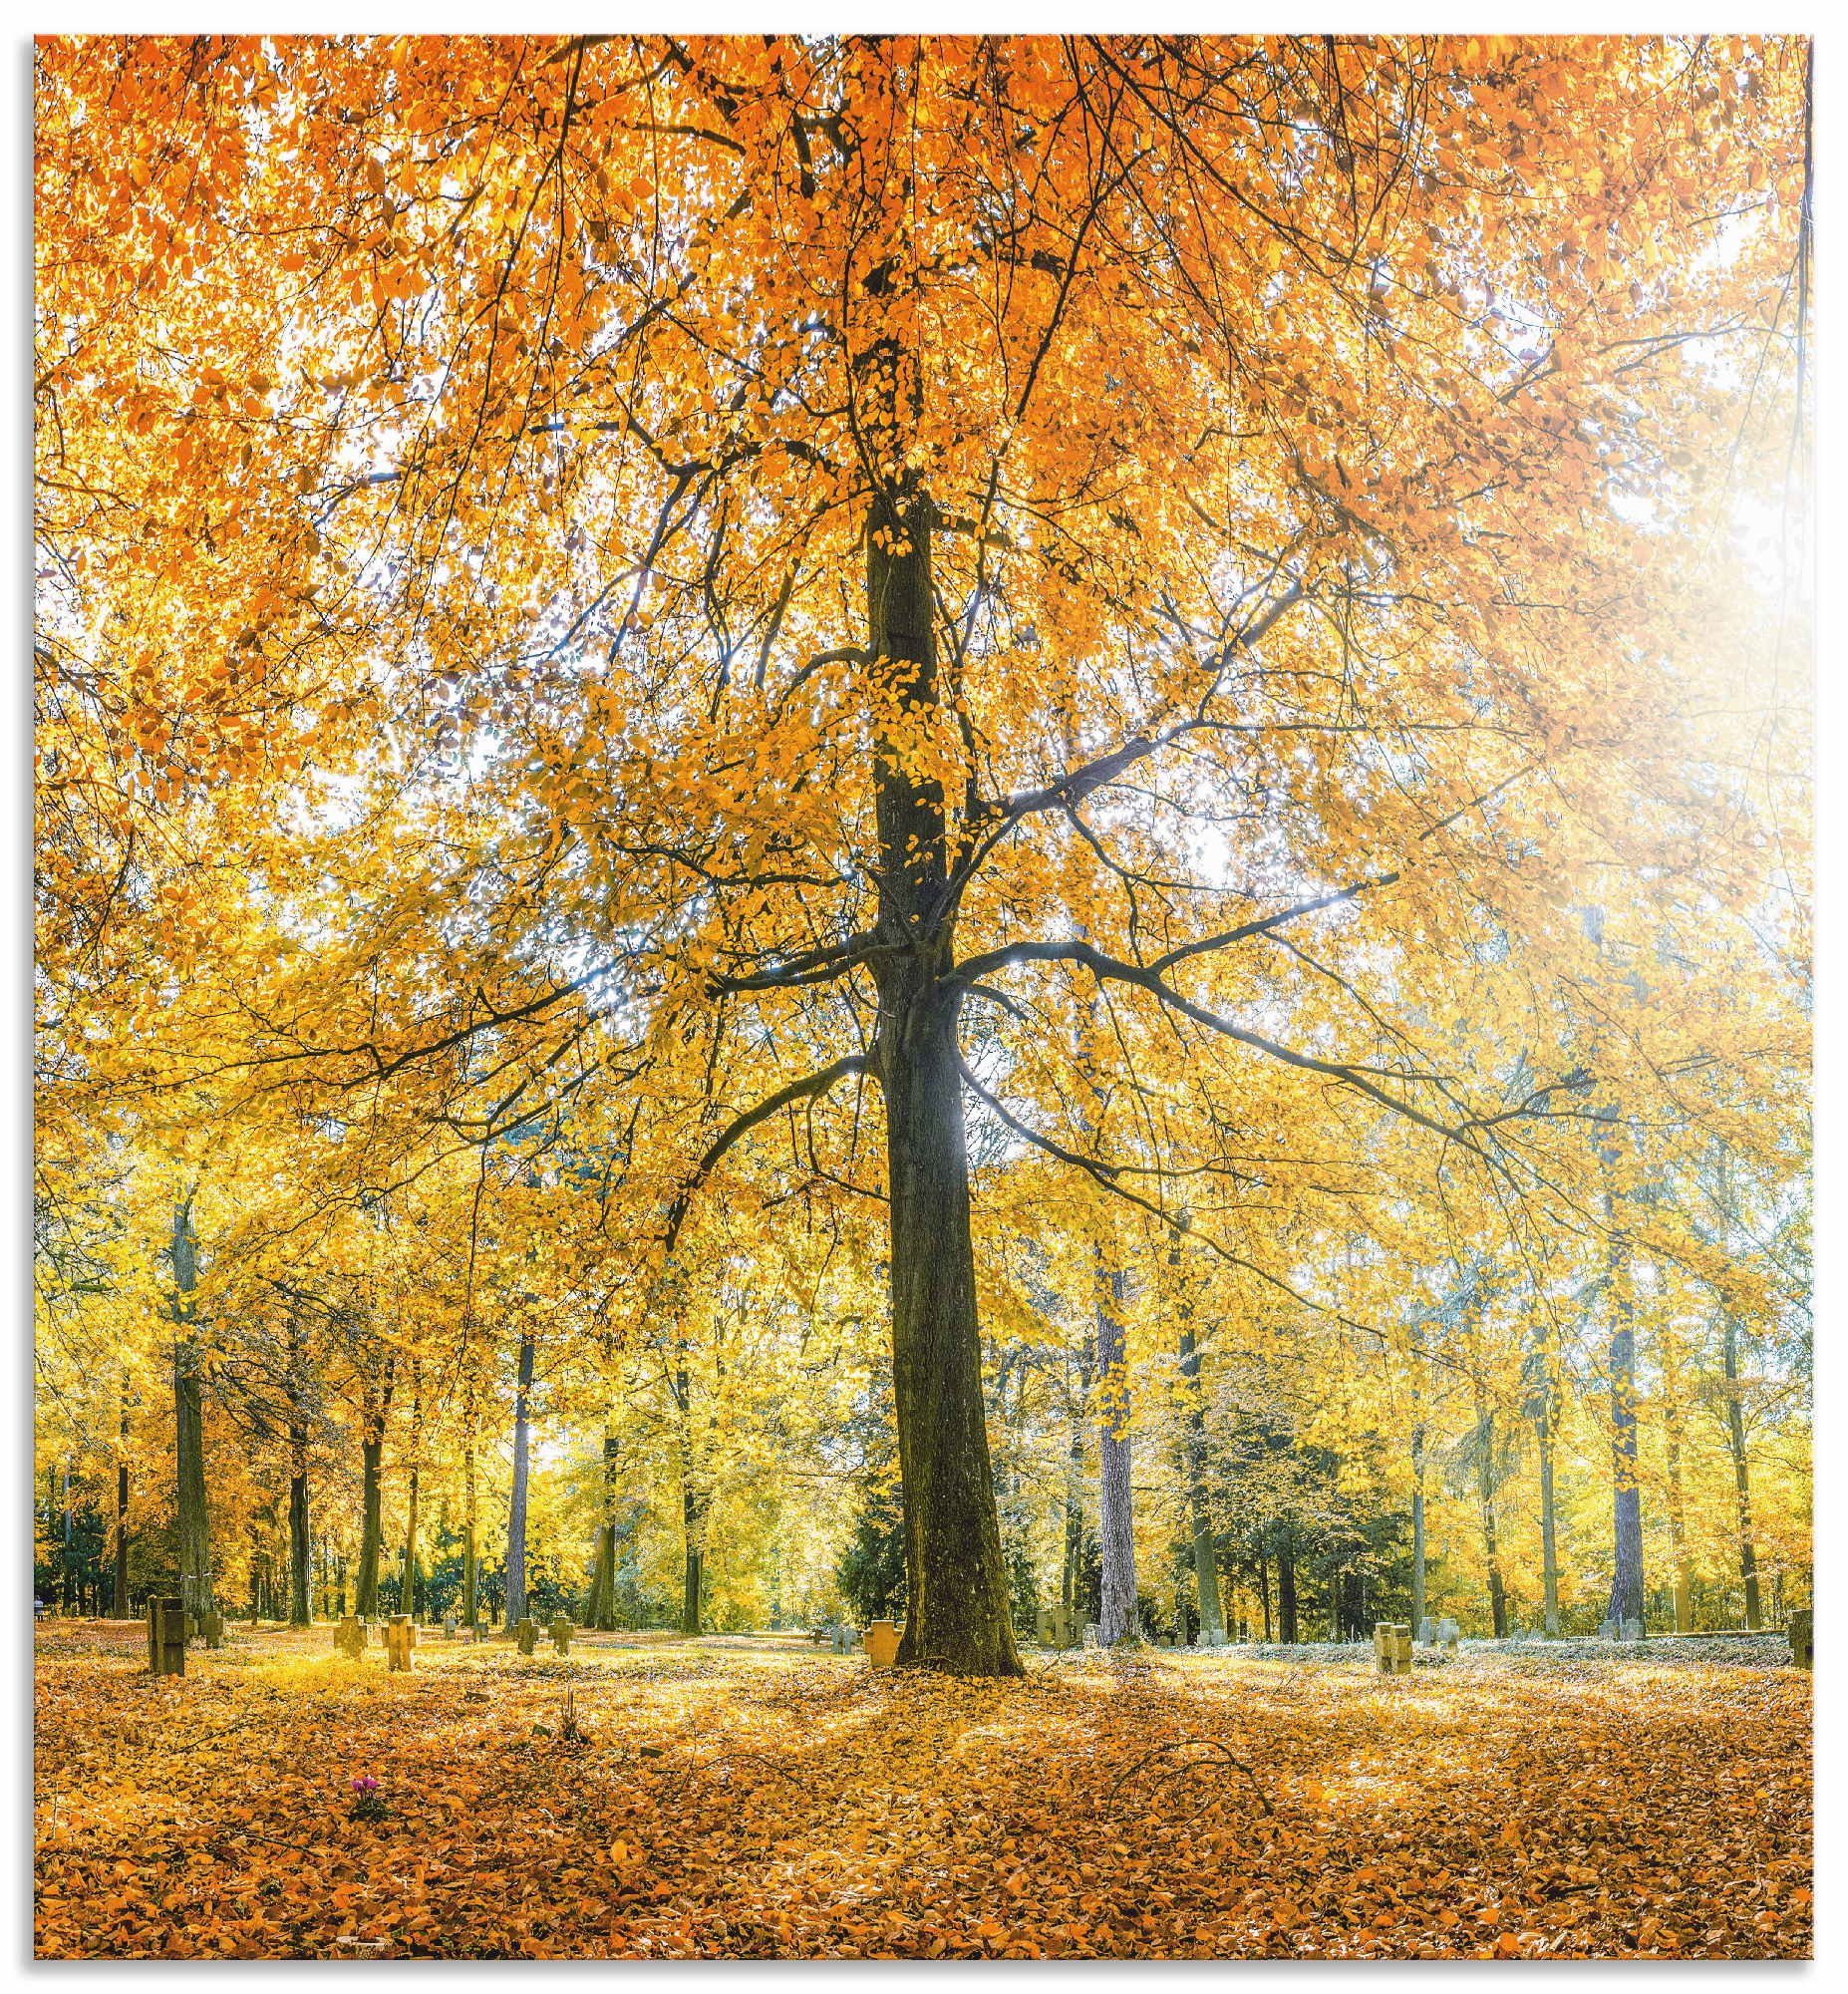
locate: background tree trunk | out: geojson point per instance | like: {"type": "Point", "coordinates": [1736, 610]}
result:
{"type": "Point", "coordinates": [1115, 1503]}
{"type": "Point", "coordinates": [1549, 1515]}
{"type": "Point", "coordinates": [1485, 1492]}
{"type": "Point", "coordinates": [1205, 1553]}
{"type": "Point", "coordinates": [1626, 1493]}
{"type": "Point", "coordinates": [372, 1528]}
{"type": "Point", "coordinates": [1286, 1593]}
{"type": "Point", "coordinates": [605, 1582]}
{"type": "Point", "coordinates": [1741, 1474]}
{"type": "Point", "coordinates": [195, 1583]}
{"type": "Point", "coordinates": [118, 1602]}
{"type": "Point", "coordinates": [516, 1511]}
{"type": "Point", "coordinates": [300, 1543]}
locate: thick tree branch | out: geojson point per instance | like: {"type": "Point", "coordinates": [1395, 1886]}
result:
{"type": "Point", "coordinates": [805, 1088]}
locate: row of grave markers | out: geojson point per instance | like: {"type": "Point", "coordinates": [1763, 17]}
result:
{"type": "Point", "coordinates": [169, 1627]}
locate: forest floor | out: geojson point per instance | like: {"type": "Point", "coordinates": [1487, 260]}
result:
{"type": "Point", "coordinates": [752, 1797]}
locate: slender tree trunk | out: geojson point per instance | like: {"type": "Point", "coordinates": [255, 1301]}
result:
{"type": "Point", "coordinates": [1071, 1575]}
{"type": "Point", "coordinates": [301, 1612]}
{"type": "Point", "coordinates": [1417, 1527]}
{"type": "Point", "coordinates": [1286, 1594]}
{"type": "Point", "coordinates": [119, 1601]}
{"type": "Point", "coordinates": [1116, 1512]}
{"type": "Point", "coordinates": [1626, 1493]}
{"type": "Point", "coordinates": [1485, 1495]}
{"type": "Point", "coordinates": [1677, 1508]}
{"type": "Point", "coordinates": [372, 1516]}
{"type": "Point", "coordinates": [693, 1574]}
{"type": "Point", "coordinates": [412, 1593]}
{"type": "Point", "coordinates": [66, 1559]}
{"type": "Point", "coordinates": [1264, 1593]}
{"type": "Point", "coordinates": [516, 1513]}
{"type": "Point", "coordinates": [195, 1585]}
{"type": "Point", "coordinates": [605, 1586]}
{"type": "Point", "coordinates": [120, 1596]}
{"type": "Point", "coordinates": [958, 1613]}
{"type": "Point", "coordinates": [471, 1566]}
{"type": "Point", "coordinates": [1741, 1473]}
{"type": "Point", "coordinates": [1205, 1555]}
{"type": "Point", "coordinates": [1549, 1523]}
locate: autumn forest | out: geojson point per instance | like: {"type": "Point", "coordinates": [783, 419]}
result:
{"type": "Point", "coordinates": [923, 997]}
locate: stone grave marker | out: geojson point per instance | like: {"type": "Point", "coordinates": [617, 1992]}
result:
{"type": "Point", "coordinates": [527, 1636]}
{"type": "Point", "coordinates": [449, 1626]}
{"type": "Point", "coordinates": [1056, 1626]}
{"type": "Point", "coordinates": [1427, 1632]}
{"type": "Point", "coordinates": [350, 1636]}
{"type": "Point", "coordinates": [561, 1631]}
{"type": "Point", "coordinates": [211, 1627]}
{"type": "Point", "coordinates": [1447, 1633]}
{"type": "Point", "coordinates": [881, 1643]}
{"type": "Point", "coordinates": [167, 1637]}
{"type": "Point", "coordinates": [1392, 1648]}
{"type": "Point", "coordinates": [399, 1640]}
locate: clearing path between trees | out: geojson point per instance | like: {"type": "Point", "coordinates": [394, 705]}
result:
{"type": "Point", "coordinates": [653, 1797]}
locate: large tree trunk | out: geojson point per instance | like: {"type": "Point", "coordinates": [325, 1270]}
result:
{"type": "Point", "coordinates": [1741, 1476]}
{"type": "Point", "coordinates": [1115, 1503]}
{"type": "Point", "coordinates": [957, 1610]}
{"type": "Point", "coordinates": [195, 1585]}
{"type": "Point", "coordinates": [1205, 1553]}
{"type": "Point", "coordinates": [517, 1512]}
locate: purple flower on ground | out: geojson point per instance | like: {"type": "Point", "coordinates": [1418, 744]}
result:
{"type": "Point", "coordinates": [365, 1784]}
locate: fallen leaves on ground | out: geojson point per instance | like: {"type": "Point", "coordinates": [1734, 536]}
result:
{"type": "Point", "coordinates": [749, 1799]}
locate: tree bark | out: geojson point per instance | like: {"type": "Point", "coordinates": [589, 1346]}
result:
{"type": "Point", "coordinates": [1205, 1555]}
{"type": "Point", "coordinates": [692, 1572]}
{"type": "Point", "coordinates": [1115, 1503]}
{"type": "Point", "coordinates": [605, 1583]}
{"type": "Point", "coordinates": [1549, 1512]}
{"type": "Point", "coordinates": [1071, 1574]}
{"type": "Point", "coordinates": [410, 1593]}
{"type": "Point", "coordinates": [118, 1602]}
{"type": "Point", "coordinates": [517, 1512]}
{"type": "Point", "coordinates": [372, 1528]}
{"type": "Point", "coordinates": [958, 1614]}
{"type": "Point", "coordinates": [1625, 1492]}
{"type": "Point", "coordinates": [1418, 1490]}
{"type": "Point", "coordinates": [1677, 1507]}
{"type": "Point", "coordinates": [472, 1569]}
{"type": "Point", "coordinates": [1741, 1473]}
{"type": "Point", "coordinates": [1485, 1490]}
{"type": "Point", "coordinates": [301, 1612]}
{"type": "Point", "coordinates": [1286, 1593]}
{"type": "Point", "coordinates": [195, 1583]}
